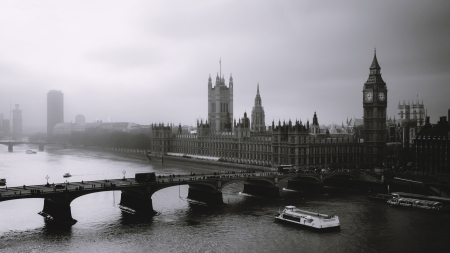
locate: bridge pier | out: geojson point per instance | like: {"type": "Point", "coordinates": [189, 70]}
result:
{"type": "Point", "coordinates": [57, 209]}
{"type": "Point", "coordinates": [305, 185]}
{"type": "Point", "coordinates": [206, 194]}
{"type": "Point", "coordinates": [262, 190]}
{"type": "Point", "coordinates": [137, 202]}
{"type": "Point", "coordinates": [10, 148]}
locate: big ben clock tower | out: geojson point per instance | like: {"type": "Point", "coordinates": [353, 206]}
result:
{"type": "Point", "coordinates": [374, 104]}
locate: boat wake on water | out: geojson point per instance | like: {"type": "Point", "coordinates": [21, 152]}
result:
{"type": "Point", "coordinates": [250, 195]}
{"type": "Point", "coordinates": [290, 190]}
{"type": "Point", "coordinates": [195, 202]}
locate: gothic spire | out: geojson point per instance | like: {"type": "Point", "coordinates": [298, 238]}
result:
{"type": "Point", "coordinates": [375, 64]}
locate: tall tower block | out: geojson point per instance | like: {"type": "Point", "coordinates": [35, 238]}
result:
{"type": "Point", "coordinates": [55, 110]}
{"type": "Point", "coordinates": [220, 104]}
{"type": "Point", "coordinates": [374, 104]}
{"type": "Point", "coordinates": [17, 123]}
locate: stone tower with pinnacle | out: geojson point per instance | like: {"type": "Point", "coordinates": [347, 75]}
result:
{"type": "Point", "coordinates": [220, 104]}
{"type": "Point", "coordinates": [374, 104]}
{"type": "Point", "coordinates": [258, 117]}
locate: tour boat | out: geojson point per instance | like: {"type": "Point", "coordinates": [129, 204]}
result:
{"type": "Point", "coordinates": [67, 175]}
{"type": "Point", "coordinates": [308, 219]}
{"type": "Point", "coordinates": [29, 151]}
{"type": "Point", "coordinates": [416, 204]}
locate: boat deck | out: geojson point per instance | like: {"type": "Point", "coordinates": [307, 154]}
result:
{"type": "Point", "coordinates": [308, 218]}
{"type": "Point", "coordinates": [304, 213]}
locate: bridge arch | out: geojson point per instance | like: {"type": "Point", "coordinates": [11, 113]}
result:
{"type": "Point", "coordinates": [339, 176]}
{"type": "Point", "coordinates": [261, 181]}
{"type": "Point", "coordinates": [306, 178]}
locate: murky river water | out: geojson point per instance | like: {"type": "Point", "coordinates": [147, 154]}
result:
{"type": "Point", "coordinates": [244, 224]}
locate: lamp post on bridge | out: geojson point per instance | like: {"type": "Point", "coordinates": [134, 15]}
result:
{"type": "Point", "coordinates": [124, 172]}
{"type": "Point", "coordinates": [47, 177]}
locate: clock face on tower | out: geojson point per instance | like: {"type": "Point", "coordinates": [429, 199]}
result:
{"type": "Point", "coordinates": [368, 96]}
{"type": "Point", "coordinates": [381, 96]}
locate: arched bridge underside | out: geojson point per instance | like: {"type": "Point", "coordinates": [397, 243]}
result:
{"type": "Point", "coordinates": [136, 197]}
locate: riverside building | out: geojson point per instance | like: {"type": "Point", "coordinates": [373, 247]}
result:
{"type": "Point", "coordinates": [432, 147]}
{"type": "Point", "coordinates": [303, 145]}
{"type": "Point", "coordinates": [356, 145]}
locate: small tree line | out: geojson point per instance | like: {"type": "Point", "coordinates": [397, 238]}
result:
{"type": "Point", "coordinates": [99, 138]}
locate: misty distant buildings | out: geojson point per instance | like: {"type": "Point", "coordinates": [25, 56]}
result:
{"type": "Point", "coordinates": [55, 109]}
{"type": "Point", "coordinates": [69, 128]}
{"type": "Point", "coordinates": [5, 127]}
{"type": "Point", "coordinates": [1, 125]}
{"type": "Point", "coordinates": [79, 119]}
{"type": "Point", "coordinates": [17, 123]}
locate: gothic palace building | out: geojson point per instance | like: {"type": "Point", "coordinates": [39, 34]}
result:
{"type": "Point", "coordinates": [296, 143]}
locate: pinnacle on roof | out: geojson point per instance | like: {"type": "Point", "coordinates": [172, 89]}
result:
{"type": "Point", "coordinates": [375, 64]}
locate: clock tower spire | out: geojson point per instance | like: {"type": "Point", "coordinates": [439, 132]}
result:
{"type": "Point", "coordinates": [374, 104]}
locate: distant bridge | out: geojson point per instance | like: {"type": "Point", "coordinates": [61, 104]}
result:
{"type": "Point", "coordinates": [41, 144]}
{"type": "Point", "coordinates": [136, 197]}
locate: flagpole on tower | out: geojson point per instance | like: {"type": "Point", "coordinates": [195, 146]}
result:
{"type": "Point", "coordinates": [220, 66]}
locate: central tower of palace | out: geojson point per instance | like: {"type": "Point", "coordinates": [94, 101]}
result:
{"type": "Point", "coordinates": [220, 104]}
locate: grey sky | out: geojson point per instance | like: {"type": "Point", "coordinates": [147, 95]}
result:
{"type": "Point", "coordinates": [149, 61]}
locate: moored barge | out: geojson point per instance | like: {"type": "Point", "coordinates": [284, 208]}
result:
{"type": "Point", "coordinates": [416, 204]}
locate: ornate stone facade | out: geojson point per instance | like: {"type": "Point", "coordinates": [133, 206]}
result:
{"type": "Point", "coordinates": [432, 147]}
{"type": "Point", "coordinates": [220, 104]}
{"type": "Point", "coordinates": [285, 144]}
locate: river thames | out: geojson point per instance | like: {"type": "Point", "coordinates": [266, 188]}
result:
{"type": "Point", "coordinates": [243, 224]}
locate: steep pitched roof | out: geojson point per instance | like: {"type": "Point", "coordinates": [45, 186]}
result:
{"type": "Point", "coordinates": [375, 64]}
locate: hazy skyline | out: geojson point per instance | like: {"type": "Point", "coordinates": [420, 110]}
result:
{"type": "Point", "coordinates": [149, 62]}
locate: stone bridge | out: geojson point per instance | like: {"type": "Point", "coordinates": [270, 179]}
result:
{"type": "Point", "coordinates": [136, 197]}
{"type": "Point", "coordinates": [41, 145]}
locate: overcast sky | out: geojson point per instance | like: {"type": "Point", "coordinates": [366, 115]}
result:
{"type": "Point", "coordinates": [149, 61]}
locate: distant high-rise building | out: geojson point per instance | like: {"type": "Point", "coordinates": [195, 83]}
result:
{"type": "Point", "coordinates": [55, 109]}
{"type": "Point", "coordinates": [1, 126]}
{"type": "Point", "coordinates": [220, 104]}
{"type": "Point", "coordinates": [258, 123]}
{"type": "Point", "coordinates": [79, 119]}
{"type": "Point", "coordinates": [17, 123]}
{"type": "Point", "coordinates": [5, 126]}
